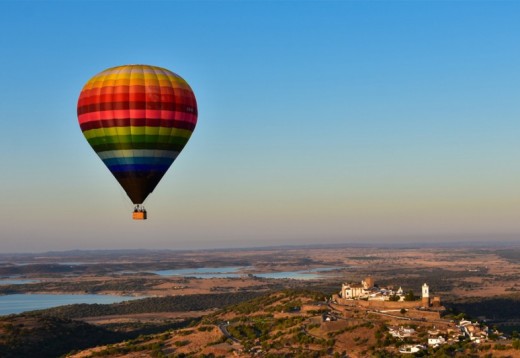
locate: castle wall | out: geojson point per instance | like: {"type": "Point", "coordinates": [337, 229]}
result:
{"type": "Point", "coordinates": [379, 305]}
{"type": "Point", "coordinates": [436, 302]}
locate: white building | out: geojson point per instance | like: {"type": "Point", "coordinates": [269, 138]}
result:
{"type": "Point", "coordinates": [409, 349]}
{"type": "Point", "coordinates": [473, 331]}
{"type": "Point", "coordinates": [352, 291]}
{"type": "Point", "coordinates": [436, 341]}
{"type": "Point", "coordinates": [401, 332]}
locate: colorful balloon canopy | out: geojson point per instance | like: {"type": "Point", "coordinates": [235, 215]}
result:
{"type": "Point", "coordinates": [137, 118]}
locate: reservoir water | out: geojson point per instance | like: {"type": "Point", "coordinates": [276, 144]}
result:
{"type": "Point", "coordinates": [231, 272]}
{"type": "Point", "coordinates": [16, 281]}
{"type": "Point", "coordinates": [27, 302]}
{"type": "Point", "coordinates": [311, 274]}
{"type": "Point", "coordinates": [203, 272]}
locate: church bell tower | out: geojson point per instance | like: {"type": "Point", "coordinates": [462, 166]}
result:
{"type": "Point", "coordinates": [425, 296]}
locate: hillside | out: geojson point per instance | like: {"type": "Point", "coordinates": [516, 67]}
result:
{"type": "Point", "coordinates": [290, 323]}
{"type": "Point", "coordinates": [40, 336]}
{"type": "Point", "coordinates": [501, 311]}
{"type": "Point", "coordinates": [293, 324]}
{"type": "Point", "coordinates": [57, 331]}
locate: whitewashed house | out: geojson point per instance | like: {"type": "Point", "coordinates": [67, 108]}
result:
{"type": "Point", "coordinates": [436, 341]}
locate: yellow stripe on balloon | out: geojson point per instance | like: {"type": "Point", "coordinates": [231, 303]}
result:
{"type": "Point", "coordinates": [137, 78]}
{"type": "Point", "coordinates": [136, 130]}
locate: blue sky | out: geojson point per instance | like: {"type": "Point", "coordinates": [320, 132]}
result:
{"type": "Point", "coordinates": [319, 122]}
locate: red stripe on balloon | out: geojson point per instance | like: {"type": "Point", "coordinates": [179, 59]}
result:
{"type": "Point", "coordinates": [138, 113]}
{"type": "Point", "coordinates": [114, 106]}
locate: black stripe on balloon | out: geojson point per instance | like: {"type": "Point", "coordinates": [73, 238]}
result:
{"type": "Point", "coordinates": [137, 122]}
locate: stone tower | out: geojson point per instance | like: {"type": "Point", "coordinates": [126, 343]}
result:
{"type": "Point", "coordinates": [436, 301]}
{"type": "Point", "coordinates": [368, 282]}
{"type": "Point", "coordinates": [425, 296]}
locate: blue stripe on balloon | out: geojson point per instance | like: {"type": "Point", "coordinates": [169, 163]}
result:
{"type": "Point", "coordinates": [138, 168]}
{"type": "Point", "coordinates": [137, 160]}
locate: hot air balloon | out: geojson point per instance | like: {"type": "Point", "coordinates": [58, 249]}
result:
{"type": "Point", "coordinates": [137, 118]}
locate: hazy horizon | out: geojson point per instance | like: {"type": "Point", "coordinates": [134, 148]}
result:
{"type": "Point", "coordinates": [485, 242]}
{"type": "Point", "coordinates": [318, 122]}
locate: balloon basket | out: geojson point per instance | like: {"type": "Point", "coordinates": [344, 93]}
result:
{"type": "Point", "coordinates": [139, 215]}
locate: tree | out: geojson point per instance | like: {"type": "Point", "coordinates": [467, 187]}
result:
{"type": "Point", "coordinates": [409, 296]}
{"type": "Point", "coordinates": [516, 343]}
{"type": "Point", "coordinates": [403, 311]}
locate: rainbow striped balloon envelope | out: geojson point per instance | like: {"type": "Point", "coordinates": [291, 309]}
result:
{"type": "Point", "coordinates": [137, 118]}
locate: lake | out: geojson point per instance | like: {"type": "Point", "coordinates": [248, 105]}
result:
{"type": "Point", "coordinates": [233, 271]}
{"type": "Point", "coordinates": [26, 302]}
{"type": "Point", "coordinates": [311, 274]}
{"type": "Point", "coordinates": [203, 272]}
{"type": "Point", "coordinates": [16, 281]}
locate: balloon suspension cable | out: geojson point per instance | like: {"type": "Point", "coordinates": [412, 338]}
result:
{"type": "Point", "coordinates": [138, 208]}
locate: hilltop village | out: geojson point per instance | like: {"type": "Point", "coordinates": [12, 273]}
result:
{"type": "Point", "coordinates": [423, 311]}
{"type": "Point", "coordinates": [368, 295]}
